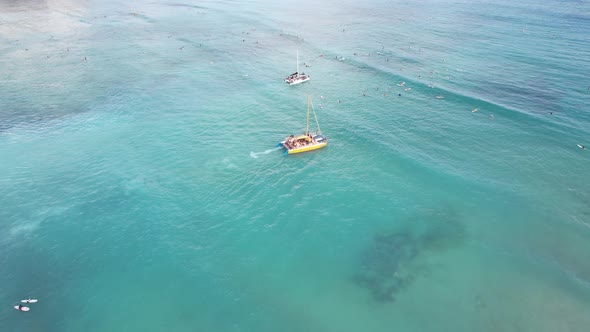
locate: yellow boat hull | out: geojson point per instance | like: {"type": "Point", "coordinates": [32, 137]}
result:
{"type": "Point", "coordinates": [307, 148]}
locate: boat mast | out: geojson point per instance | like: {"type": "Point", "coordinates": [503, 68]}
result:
{"type": "Point", "coordinates": [316, 120]}
{"type": "Point", "coordinates": [297, 62]}
{"type": "Point", "coordinates": [307, 126]}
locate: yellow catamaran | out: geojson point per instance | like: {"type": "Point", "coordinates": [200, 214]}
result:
{"type": "Point", "coordinates": [305, 142]}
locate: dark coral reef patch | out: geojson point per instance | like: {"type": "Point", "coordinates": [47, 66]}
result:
{"type": "Point", "coordinates": [389, 262]}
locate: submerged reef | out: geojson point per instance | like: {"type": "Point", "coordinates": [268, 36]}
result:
{"type": "Point", "coordinates": [388, 264]}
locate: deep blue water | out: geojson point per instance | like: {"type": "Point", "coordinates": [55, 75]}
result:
{"type": "Point", "coordinates": [140, 191]}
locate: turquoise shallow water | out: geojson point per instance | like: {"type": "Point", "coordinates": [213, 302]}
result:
{"type": "Point", "coordinates": [139, 188]}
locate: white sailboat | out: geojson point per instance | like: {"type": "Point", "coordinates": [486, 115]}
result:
{"type": "Point", "coordinates": [297, 77]}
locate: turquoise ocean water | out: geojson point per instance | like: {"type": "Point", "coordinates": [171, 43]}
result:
{"type": "Point", "coordinates": [140, 191]}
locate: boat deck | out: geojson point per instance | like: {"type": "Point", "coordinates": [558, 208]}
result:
{"type": "Point", "coordinates": [304, 143]}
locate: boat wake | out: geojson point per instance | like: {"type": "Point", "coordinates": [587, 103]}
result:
{"type": "Point", "coordinates": [256, 154]}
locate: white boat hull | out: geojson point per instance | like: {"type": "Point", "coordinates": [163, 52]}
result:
{"type": "Point", "coordinates": [299, 80]}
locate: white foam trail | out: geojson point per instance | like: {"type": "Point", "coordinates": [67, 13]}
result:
{"type": "Point", "coordinates": [256, 154]}
{"type": "Point", "coordinates": [25, 228]}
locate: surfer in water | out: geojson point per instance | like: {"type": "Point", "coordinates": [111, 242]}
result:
{"type": "Point", "coordinates": [581, 146]}
{"type": "Point", "coordinates": [20, 307]}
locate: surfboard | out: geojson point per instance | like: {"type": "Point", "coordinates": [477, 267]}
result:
{"type": "Point", "coordinates": [22, 308]}
{"type": "Point", "coordinates": [29, 301]}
